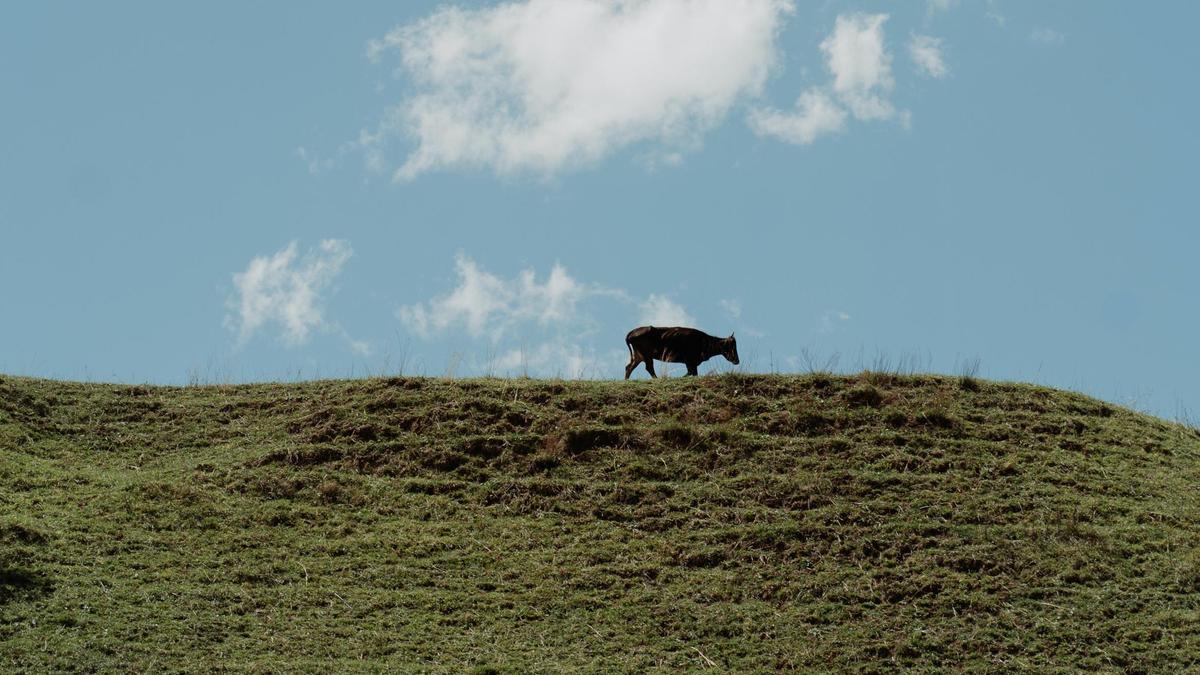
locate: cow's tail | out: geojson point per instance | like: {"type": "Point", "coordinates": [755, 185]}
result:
{"type": "Point", "coordinates": [629, 342]}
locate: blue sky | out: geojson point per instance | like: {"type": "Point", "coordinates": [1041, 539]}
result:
{"type": "Point", "coordinates": [248, 191]}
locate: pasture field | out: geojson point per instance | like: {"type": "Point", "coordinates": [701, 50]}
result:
{"type": "Point", "coordinates": [732, 522]}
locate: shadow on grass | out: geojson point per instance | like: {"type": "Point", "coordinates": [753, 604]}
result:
{"type": "Point", "coordinates": [21, 585]}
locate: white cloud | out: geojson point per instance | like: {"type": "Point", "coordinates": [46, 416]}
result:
{"type": "Point", "coordinates": [560, 358]}
{"type": "Point", "coordinates": [486, 304]}
{"type": "Point", "coordinates": [831, 319]}
{"type": "Point", "coordinates": [660, 310]}
{"type": "Point", "coordinates": [315, 164]}
{"type": "Point", "coordinates": [286, 290]}
{"type": "Point", "coordinates": [1046, 36]}
{"type": "Point", "coordinates": [861, 65]}
{"type": "Point", "coordinates": [816, 114]}
{"type": "Point", "coordinates": [926, 52]}
{"type": "Point", "coordinates": [861, 68]}
{"type": "Point", "coordinates": [732, 307]}
{"type": "Point", "coordinates": [940, 5]}
{"type": "Point", "coordinates": [478, 296]}
{"type": "Point", "coordinates": [537, 326]}
{"type": "Point", "coordinates": [994, 14]}
{"type": "Point", "coordinates": [360, 347]}
{"type": "Point", "coordinates": [542, 86]}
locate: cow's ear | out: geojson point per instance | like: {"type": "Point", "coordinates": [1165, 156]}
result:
{"type": "Point", "coordinates": [731, 336]}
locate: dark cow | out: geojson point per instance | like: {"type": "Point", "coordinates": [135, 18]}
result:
{"type": "Point", "coordinates": [676, 345]}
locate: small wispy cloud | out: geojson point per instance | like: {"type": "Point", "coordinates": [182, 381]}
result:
{"type": "Point", "coordinates": [815, 115]}
{"type": "Point", "coordinates": [994, 14]}
{"type": "Point", "coordinates": [286, 290]}
{"type": "Point", "coordinates": [857, 58]}
{"type": "Point", "coordinates": [831, 319]}
{"type": "Point", "coordinates": [926, 53]}
{"type": "Point", "coordinates": [940, 5]}
{"type": "Point", "coordinates": [732, 307]}
{"type": "Point", "coordinates": [314, 163]}
{"type": "Point", "coordinates": [1046, 36]}
{"type": "Point", "coordinates": [487, 305]}
{"type": "Point", "coordinates": [861, 65]}
{"type": "Point", "coordinates": [368, 144]}
{"type": "Point", "coordinates": [541, 325]}
{"type": "Point", "coordinates": [560, 358]}
{"type": "Point", "coordinates": [660, 310]}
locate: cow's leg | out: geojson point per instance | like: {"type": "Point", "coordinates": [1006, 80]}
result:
{"type": "Point", "coordinates": [650, 366]}
{"type": "Point", "coordinates": [692, 369]}
{"type": "Point", "coordinates": [634, 360]}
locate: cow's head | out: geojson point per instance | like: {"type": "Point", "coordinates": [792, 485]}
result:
{"type": "Point", "coordinates": [729, 349]}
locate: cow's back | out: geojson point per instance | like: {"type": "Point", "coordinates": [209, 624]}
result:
{"type": "Point", "coordinates": [674, 343]}
{"type": "Point", "coordinates": [641, 333]}
{"type": "Point", "coordinates": [681, 336]}
{"type": "Point", "coordinates": [646, 340]}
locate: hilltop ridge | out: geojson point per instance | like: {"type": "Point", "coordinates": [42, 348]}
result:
{"type": "Point", "coordinates": [743, 522]}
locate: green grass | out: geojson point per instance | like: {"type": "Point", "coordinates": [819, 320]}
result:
{"type": "Point", "coordinates": [746, 522]}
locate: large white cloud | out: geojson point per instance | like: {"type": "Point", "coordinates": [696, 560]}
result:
{"type": "Point", "coordinates": [286, 290]}
{"type": "Point", "coordinates": [540, 86]}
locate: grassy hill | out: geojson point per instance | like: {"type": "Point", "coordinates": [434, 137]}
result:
{"type": "Point", "coordinates": [735, 522]}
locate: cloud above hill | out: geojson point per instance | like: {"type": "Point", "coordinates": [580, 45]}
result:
{"type": "Point", "coordinates": [286, 291]}
{"type": "Point", "coordinates": [660, 310]}
{"type": "Point", "coordinates": [540, 86]}
{"type": "Point", "coordinates": [486, 305]}
{"type": "Point", "coordinates": [532, 325]}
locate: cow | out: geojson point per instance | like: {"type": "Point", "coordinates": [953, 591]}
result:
{"type": "Point", "coordinates": [676, 345]}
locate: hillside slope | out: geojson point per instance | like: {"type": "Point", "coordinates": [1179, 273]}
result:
{"type": "Point", "coordinates": [741, 522]}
